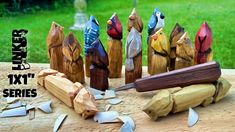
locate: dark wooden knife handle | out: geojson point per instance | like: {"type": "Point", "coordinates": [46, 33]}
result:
{"type": "Point", "coordinates": [201, 73]}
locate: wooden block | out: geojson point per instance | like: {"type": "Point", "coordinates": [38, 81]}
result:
{"type": "Point", "coordinates": [45, 72]}
{"type": "Point", "coordinates": [84, 104]}
{"type": "Point", "coordinates": [131, 76]}
{"type": "Point", "coordinates": [55, 39]}
{"type": "Point", "coordinates": [73, 62]}
{"type": "Point", "coordinates": [87, 65]}
{"type": "Point", "coordinates": [222, 88]}
{"type": "Point", "coordinates": [160, 105]}
{"type": "Point", "coordinates": [115, 58]}
{"type": "Point", "coordinates": [192, 96]}
{"type": "Point", "coordinates": [99, 78]}
{"type": "Point", "coordinates": [62, 88]}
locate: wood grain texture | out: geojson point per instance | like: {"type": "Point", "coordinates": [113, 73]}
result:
{"type": "Point", "coordinates": [203, 73]}
{"type": "Point", "coordinates": [87, 65]}
{"type": "Point", "coordinates": [115, 58]}
{"type": "Point", "coordinates": [216, 117]}
{"type": "Point", "coordinates": [54, 41]}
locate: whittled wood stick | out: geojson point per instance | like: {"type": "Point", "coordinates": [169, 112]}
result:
{"type": "Point", "coordinates": [91, 33]}
{"type": "Point", "coordinates": [133, 67]}
{"type": "Point", "coordinates": [55, 39]}
{"type": "Point", "coordinates": [175, 35]}
{"type": "Point", "coordinates": [73, 62]}
{"type": "Point", "coordinates": [160, 57]}
{"type": "Point", "coordinates": [155, 23]}
{"type": "Point", "coordinates": [114, 30]}
{"type": "Point", "coordinates": [203, 43]}
{"type": "Point", "coordinates": [184, 52]}
{"type": "Point", "coordinates": [187, 97]}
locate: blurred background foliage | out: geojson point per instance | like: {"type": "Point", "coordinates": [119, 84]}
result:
{"type": "Point", "coordinates": [37, 15]}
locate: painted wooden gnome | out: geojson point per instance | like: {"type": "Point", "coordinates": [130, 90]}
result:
{"type": "Point", "coordinates": [55, 39]}
{"type": "Point", "coordinates": [155, 23]}
{"type": "Point", "coordinates": [91, 33]}
{"type": "Point", "coordinates": [99, 63]}
{"type": "Point", "coordinates": [73, 62]}
{"type": "Point", "coordinates": [161, 51]}
{"type": "Point", "coordinates": [175, 35]}
{"type": "Point", "coordinates": [203, 42]}
{"type": "Point", "coordinates": [184, 52]}
{"type": "Point", "coordinates": [114, 31]}
{"type": "Point", "coordinates": [133, 67]}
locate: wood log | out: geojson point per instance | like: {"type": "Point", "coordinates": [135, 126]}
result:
{"type": "Point", "coordinates": [55, 39]}
{"type": "Point", "coordinates": [98, 70]}
{"type": "Point", "coordinates": [175, 35]}
{"type": "Point", "coordinates": [62, 88]}
{"type": "Point", "coordinates": [161, 51]}
{"type": "Point", "coordinates": [203, 43]}
{"type": "Point", "coordinates": [73, 62]}
{"type": "Point", "coordinates": [91, 33]}
{"type": "Point", "coordinates": [182, 99]}
{"type": "Point", "coordinates": [115, 58]}
{"type": "Point", "coordinates": [133, 67]}
{"type": "Point", "coordinates": [155, 23]}
{"type": "Point", "coordinates": [114, 30]}
{"type": "Point", "coordinates": [84, 104]}
{"type": "Point", "coordinates": [184, 52]}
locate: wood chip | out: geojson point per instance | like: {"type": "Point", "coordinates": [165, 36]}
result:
{"type": "Point", "coordinates": [58, 122]}
{"type": "Point", "coordinates": [15, 105]}
{"type": "Point", "coordinates": [192, 117]}
{"type": "Point", "coordinates": [20, 111]}
{"type": "Point", "coordinates": [109, 94]}
{"type": "Point", "coordinates": [98, 96]}
{"type": "Point", "coordinates": [45, 107]}
{"type": "Point", "coordinates": [105, 117]}
{"type": "Point", "coordinates": [31, 114]}
{"type": "Point", "coordinates": [114, 101]}
{"type": "Point", "coordinates": [107, 107]}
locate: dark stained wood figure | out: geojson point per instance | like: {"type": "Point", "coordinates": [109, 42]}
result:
{"type": "Point", "coordinates": [155, 23]}
{"type": "Point", "coordinates": [133, 67]}
{"type": "Point", "coordinates": [203, 42]}
{"type": "Point", "coordinates": [175, 35]}
{"type": "Point", "coordinates": [91, 33]}
{"type": "Point", "coordinates": [98, 70]}
{"type": "Point", "coordinates": [54, 41]}
{"type": "Point", "coordinates": [184, 52]}
{"type": "Point", "coordinates": [161, 49]}
{"type": "Point", "coordinates": [114, 31]}
{"type": "Point", "coordinates": [73, 62]}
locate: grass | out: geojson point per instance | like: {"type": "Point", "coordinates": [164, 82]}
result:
{"type": "Point", "coordinates": [190, 14]}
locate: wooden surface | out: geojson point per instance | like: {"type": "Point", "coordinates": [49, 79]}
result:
{"type": "Point", "coordinates": [215, 117]}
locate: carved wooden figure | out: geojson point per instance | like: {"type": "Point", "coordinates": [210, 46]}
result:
{"type": "Point", "coordinates": [91, 33]}
{"type": "Point", "coordinates": [133, 68]}
{"type": "Point", "coordinates": [73, 62]}
{"type": "Point", "coordinates": [184, 52]}
{"type": "Point", "coordinates": [55, 39]}
{"type": "Point", "coordinates": [114, 31]}
{"type": "Point", "coordinates": [161, 50]}
{"type": "Point", "coordinates": [155, 23]}
{"type": "Point", "coordinates": [99, 66]}
{"type": "Point", "coordinates": [175, 35]}
{"type": "Point", "coordinates": [203, 42]}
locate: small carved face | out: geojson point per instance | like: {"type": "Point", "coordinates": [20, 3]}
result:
{"type": "Point", "coordinates": [134, 21]}
{"type": "Point", "coordinates": [184, 39]}
{"type": "Point", "coordinates": [176, 33]}
{"type": "Point", "coordinates": [114, 27]}
{"type": "Point", "coordinates": [203, 40]}
{"type": "Point", "coordinates": [159, 42]}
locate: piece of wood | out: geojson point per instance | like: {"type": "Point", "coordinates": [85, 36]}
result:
{"type": "Point", "coordinates": [175, 35]}
{"type": "Point", "coordinates": [222, 88]}
{"type": "Point", "coordinates": [160, 105]}
{"type": "Point", "coordinates": [114, 30]}
{"type": "Point", "coordinates": [98, 70]}
{"type": "Point", "coordinates": [182, 99]}
{"type": "Point", "coordinates": [54, 41]}
{"type": "Point", "coordinates": [62, 88]}
{"type": "Point", "coordinates": [73, 62]}
{"type": "Point", "coordinates": [202, 73]}
{"type": "Point", "coordinates": [155, 23]}
{"type": "Point", "coordinates": [184, 52]}
{"type": "Point", "coordinates": [91, 33]}
{"type": "Point", "coordinates": [84, 104]}
{"type": "Point", "coordinates": [161, 51]}
{"type": "Point", "coordinates": [133, 66]}
{"type": "Point", "coordinates": [203, 43]}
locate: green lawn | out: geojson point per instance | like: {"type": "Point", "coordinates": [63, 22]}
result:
{"type": "Point", "coordinates": [190, 14]}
